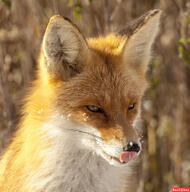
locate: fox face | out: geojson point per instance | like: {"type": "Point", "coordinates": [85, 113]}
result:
{"type": "Point", "coordinates": [99, 84]}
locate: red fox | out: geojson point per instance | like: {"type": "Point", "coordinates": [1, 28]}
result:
{"type": "Point", "coordinates": [78, 131]}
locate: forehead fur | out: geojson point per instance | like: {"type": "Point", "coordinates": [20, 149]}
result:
{"type": "Point", "coordinates": [107, 65]}
{"type": "Point", "coordinates": [102, 87]}
{"type": "Point", "coordinates": [109, 45]}
{"type": "Point", "coordinates": [103, 79]}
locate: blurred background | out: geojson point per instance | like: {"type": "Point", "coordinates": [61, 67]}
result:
{"type": "Point", "coordinates": [166, 109]}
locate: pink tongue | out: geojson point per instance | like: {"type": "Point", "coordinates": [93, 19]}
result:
{"type": "Point", "coordinates": [127, 156]}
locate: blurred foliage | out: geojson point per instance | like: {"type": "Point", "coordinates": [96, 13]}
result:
{"type": "Point", "coordinates": [77, 12]}
{"type": "Point", "coordinates": [7, 3]}
{"type": "Point", "coordinates": [184, 53]}
{"type": "Point", "coordinates": [188, 18]}
{"type": "Point", "coordinates": [77, 9]}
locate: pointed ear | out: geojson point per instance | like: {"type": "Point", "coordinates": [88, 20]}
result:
{"type": "Point", "coordinates": [64, 48]}
{"type": "Point", "coordinates": [140, 37]}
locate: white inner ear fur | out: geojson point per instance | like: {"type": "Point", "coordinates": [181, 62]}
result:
{"type": "Point", "coordinates": [61, 41]}
{"type": "Point", "coordinates": [137, 50]}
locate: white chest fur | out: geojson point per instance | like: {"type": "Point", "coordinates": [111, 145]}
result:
{"type": "Point", "coordinates": [83, 172]}
{"type": "Point", "coordinates": [70, 168]}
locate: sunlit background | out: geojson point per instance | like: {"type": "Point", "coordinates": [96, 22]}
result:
{"type": "Point", "coordinates": [166, 109]}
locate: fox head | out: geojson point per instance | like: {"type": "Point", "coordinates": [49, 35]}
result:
{"type": "Point", "coordinates": [100, 83]}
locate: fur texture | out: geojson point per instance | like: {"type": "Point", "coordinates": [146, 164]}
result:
{"type": "Point", "coordinates": [63, 146]}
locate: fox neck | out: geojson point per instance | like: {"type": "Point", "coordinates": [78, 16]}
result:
{"type": "Point", "coordinates": [72, 168]}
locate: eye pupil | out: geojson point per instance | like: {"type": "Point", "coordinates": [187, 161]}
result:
{"type": "Point", "coordinates": [131, 106]}
{"type": "Point", "coordinates": [94, 108]}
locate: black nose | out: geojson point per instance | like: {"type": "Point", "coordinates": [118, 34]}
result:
{"type": "Point", "coordinates": [131, 146]}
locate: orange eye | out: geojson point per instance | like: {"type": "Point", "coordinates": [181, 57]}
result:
{"type": "Point", "coordinates": [94, 108]}
{"type": "Point", "coordinates": [131, 106]}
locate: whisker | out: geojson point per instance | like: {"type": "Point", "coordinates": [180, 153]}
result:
{"type": "Point", "coordinates": [98, 139]}
{"type": "Point", "coordinates": [84, 132]}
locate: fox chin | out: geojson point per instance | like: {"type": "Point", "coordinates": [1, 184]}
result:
{"type": "Point", "coordinates": [79, 127]}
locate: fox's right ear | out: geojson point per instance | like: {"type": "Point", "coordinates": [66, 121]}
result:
{"type": "Point", "coordinates": [64, 48]}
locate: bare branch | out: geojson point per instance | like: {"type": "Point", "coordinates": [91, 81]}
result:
{"type": "Point", "coordinates": [7, 101]}
{"type": "Point", "coordinates": [96, 19]}
{"type": "Point", "coordinates": [115, 11]}
{"type": "Point", "coordinates": [56, 7]}
{"type": "Point", "coordinates": [107, 19]}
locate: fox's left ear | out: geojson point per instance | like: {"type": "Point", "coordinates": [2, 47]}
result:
{"type": "Point", "coordinates": [140, 36]}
